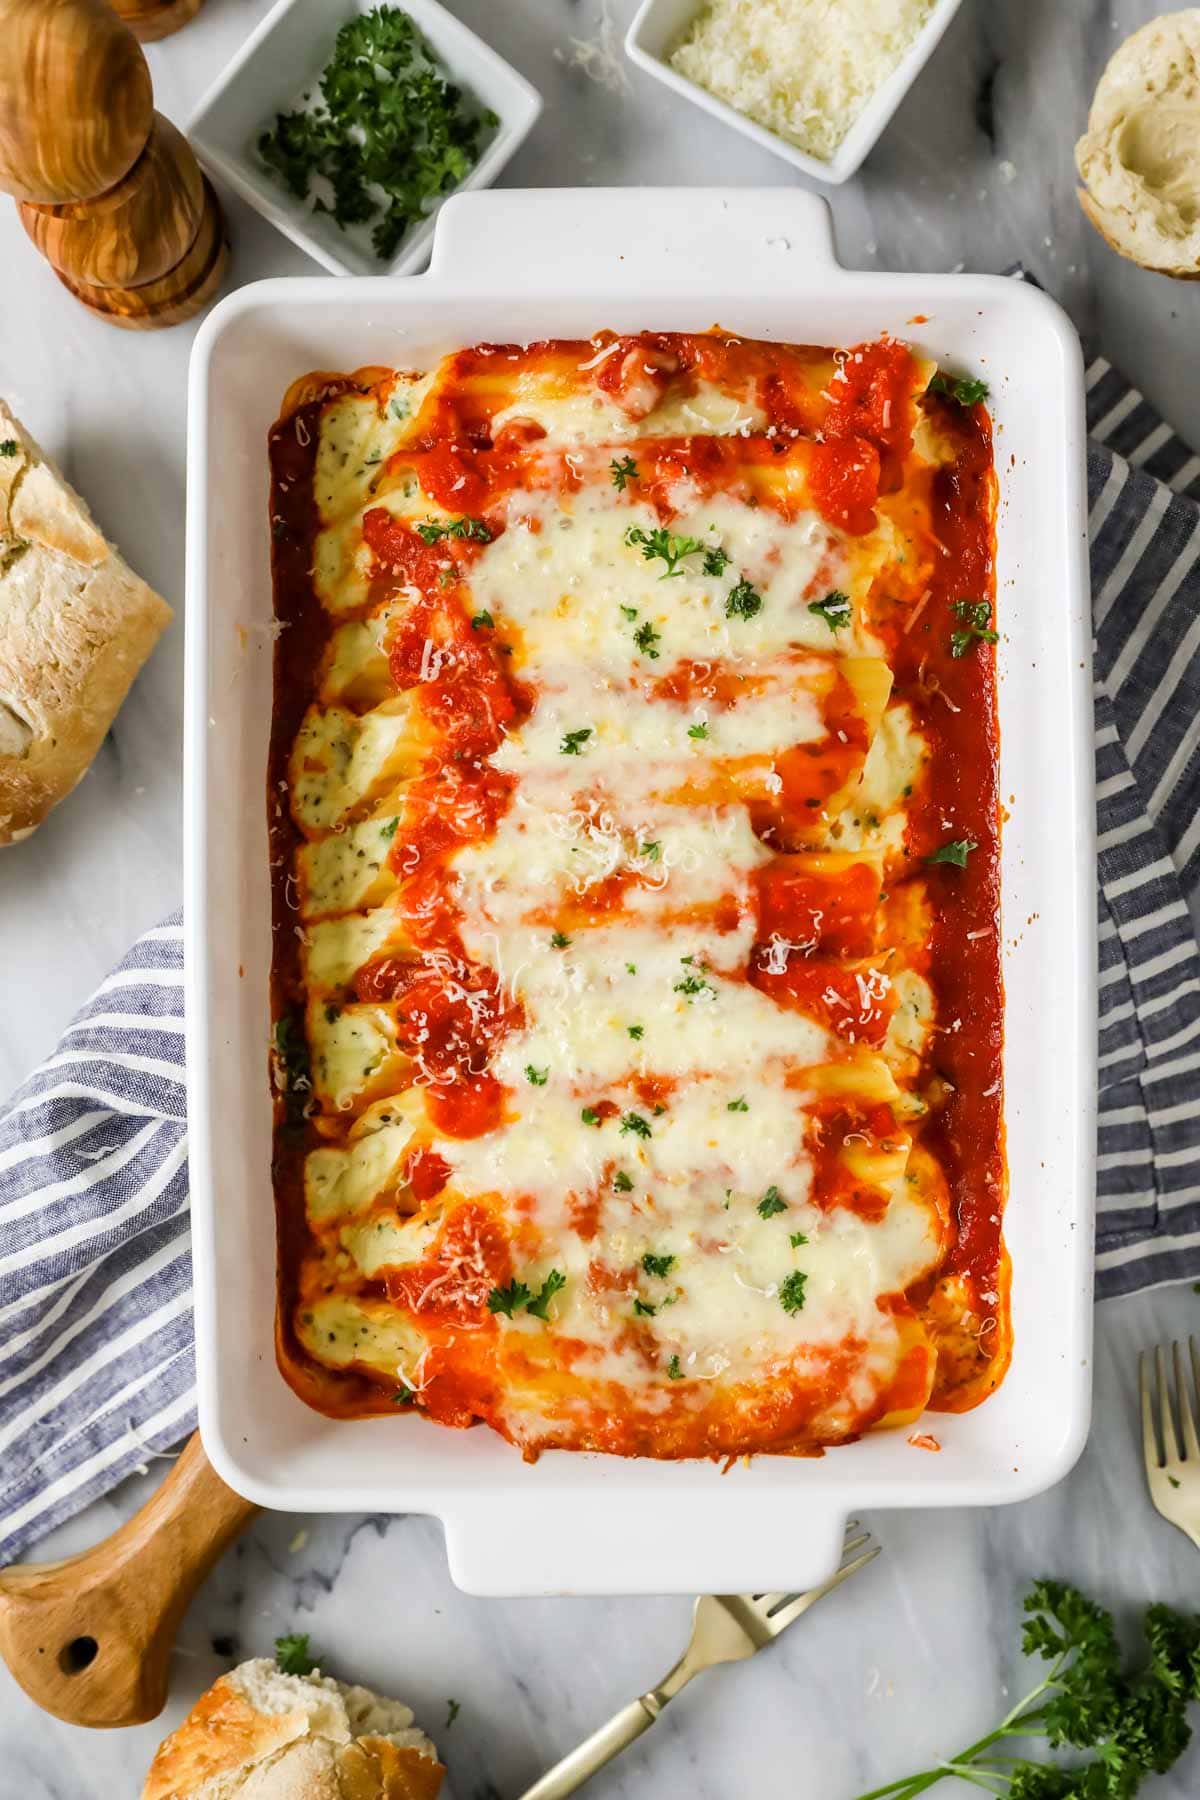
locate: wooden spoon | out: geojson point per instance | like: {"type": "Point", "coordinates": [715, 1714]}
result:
{"type": "Point", "coordinates": [90, 1638]}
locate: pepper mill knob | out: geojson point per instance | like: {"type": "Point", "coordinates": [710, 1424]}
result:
{"type": "Point", "coordinates": [109, 191]}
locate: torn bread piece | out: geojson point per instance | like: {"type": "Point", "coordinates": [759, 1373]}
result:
{"type": "Point", "coordinates": [1140, 157]}
{"type": "Point", "coordinates": [76, 625]}
{"type": "Point", "coordinates": [259, 1734]}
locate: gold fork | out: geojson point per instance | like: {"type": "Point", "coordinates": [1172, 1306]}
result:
{"type": "Point", "coordinates": [725, 1628]}
{"type": "Point", "coordinates": [1173, 1474]}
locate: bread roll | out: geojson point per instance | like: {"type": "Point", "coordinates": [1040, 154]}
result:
{"type": "Point", "coordinates": [76, 625]}
{"type": "Point", "coordinates": [1140, 159]}
{"type": "Point", "coordinates": [258, 1734]}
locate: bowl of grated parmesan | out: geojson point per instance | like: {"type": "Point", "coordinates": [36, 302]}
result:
{"type": "Point", "coordinates": [815, 81]}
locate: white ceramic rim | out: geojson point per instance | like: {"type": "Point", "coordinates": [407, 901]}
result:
{"type": "Point", "coordinates": [524, 264]}
{"type": "Point", "coordinates": [650, 37]}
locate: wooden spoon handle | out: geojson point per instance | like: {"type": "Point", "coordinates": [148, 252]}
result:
{"type": "Point", "coordinates": [90, 1638]}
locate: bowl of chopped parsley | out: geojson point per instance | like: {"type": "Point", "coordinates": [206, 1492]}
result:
{"type": "Point", "coordinates": [348, 125]}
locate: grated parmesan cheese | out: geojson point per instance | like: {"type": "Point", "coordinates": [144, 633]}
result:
{"type": "Point", "coordinates": [804, 69]}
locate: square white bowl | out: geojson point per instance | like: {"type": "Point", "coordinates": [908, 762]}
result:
{"type": "Point", "coordinates": [660, 24]}
{"type": "Point", "coordinates": [285, 56]}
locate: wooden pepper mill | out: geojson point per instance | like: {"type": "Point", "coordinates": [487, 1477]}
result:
{"type": "Point", "coordinates": [109, 191]}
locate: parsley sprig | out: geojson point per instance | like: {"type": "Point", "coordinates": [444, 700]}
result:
{"type": "Point", "coordinates": [472, 531]}
{"type": "Point", "coordinates": [835, 609]}
{"type": "Point", "coordinates": [975, 618]}
{"type": "Point", "coordinates": [967, 391]}
{"type": "Point", "coordinates": [663, 546]}
{"type": "Point", "coordinates": [955, 853]}
{"type": "Point", "coordinates": [622, 469]}
{"type": "Point", "coordinates": [518, 1296]}
{"type": "Point", "coordinates": [1135, 1723]}
{"type": "Point", "coordinates": [389, 135]}
{"type": "Point", "coordinates": [293, 1655]}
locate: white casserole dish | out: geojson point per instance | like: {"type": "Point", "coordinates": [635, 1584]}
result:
{"type": "Point", "coordinates": [520, 265]}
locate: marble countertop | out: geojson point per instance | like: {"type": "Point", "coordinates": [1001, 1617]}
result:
{"type": "Point", "coordinates": [912, 1658]}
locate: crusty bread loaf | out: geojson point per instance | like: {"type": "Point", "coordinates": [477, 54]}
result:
{"type": "Point", "coordinates": [1140, 157]}
{"type": "Point", "coordinates": [258, 1734]}
{"type": "Point", "coordinates": [76, 625]}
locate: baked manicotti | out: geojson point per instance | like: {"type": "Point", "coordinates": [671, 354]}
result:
{"type": "Point", "coordinates": [260, 1734]}
{"type": "Point", "coordinates": [76, 625]}
{"type": "Point", "coordinates": [1140, 157]}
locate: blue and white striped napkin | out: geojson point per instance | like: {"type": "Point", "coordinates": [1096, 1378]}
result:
{"type": "Point", "coordinates": [96, 1367]}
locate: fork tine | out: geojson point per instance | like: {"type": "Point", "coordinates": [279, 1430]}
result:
{"type": "Point", "coordinates": [1150, 1450]}
{"type": "Point", "coordinates": [1191, 1445]}
{"type": "Point", "coordinates": [856, 1544]}
{"type": "Point", "coordinates": [1165, 1408]}
{"type": "Point", "coordinates": [786, 1614]}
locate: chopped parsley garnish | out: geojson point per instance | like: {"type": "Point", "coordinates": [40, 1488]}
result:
{"type": "Point", "coordinates": [553, 1284]}
{"type": "Point", "coordinates": [622, 470]}
{"type": "Point", "coordinates": [835, 609]}
{"type": "Point", "coordinates": [482, 621]}
{"type": "Point", "coordinates": [691, 985]}
{"type": "Point", "coordinates": [657, 1265]}
{"type": "Point", "coordinates": [646, 1312]}
{"type": "Point", "coordinates": [771, 1203]}
{"type": "Point", "coordinates": [674, 1369]}
{"type": "Point", "coordinates": [509, 1300]}
{"type": "Point", "coordinates": [955, 852]}
{"type": "Point", "coordinates": [652, 852]}
{"type": "Point", "coordinates": [390, 135]}
{"type": "Point", "coordinates": [791, 1291]}
{"type": "Point", "coordinates": [9, 447]}
{"type": "Point", "coordinates": [387, 832]}
{"type": "Point", "coordinates": [635, 1123]}
{"type": "Point", "coordinates": [976, 619]}
{"type": "Point", "coordinates": [698, 731]}
{"type": "Point", "coordinates": [573, 741]}
{"type": "Point", "coordinates": [622, 1182]}
{"type": "Point", "coordinates": [536, 1077]}
{"type": "Point", "coordinates": [715, 561]}
{"type": "Point", "coordinates": [742, 601]}
{"type": "Point", "coordinates": [293, 1073]}
{"type": "Point", "coordinates": [629, 612]}
{"type": "Point", "coordinates": [517, 1295]}
{"type": "Point", "coordinates": [452, 1711]}
{"type": "Point", "coordinates": [474, 530]}
{"type": "Point", "coordinates": [292, 1654]}
{"type": "Point", "coordinates": [647, 640]}
{"type": "Point", "coordinates": [590, 1116]}
{"type": "Point", "coordinates": [663, 546]}
{"type": "Point", "coordinates": [966, 391]}
{"type": "Point", "coordinates": [796, 1238]}
{"type": "Point", "coordinates": [404, 1397]}
{"type": "Point", "coordinates": [636, 1031]}
{"type": "Point", "coordinates": [631, 968]}
{"type": "Point", "coordinates": [559, 940]}
{"type": "Point", "coordinates": [738, 1105]}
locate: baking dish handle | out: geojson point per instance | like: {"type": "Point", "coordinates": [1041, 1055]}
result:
{"type": "Point", "coordinates": [624, 237]}
{"type": "Point", "coordinates": [575, 1540]}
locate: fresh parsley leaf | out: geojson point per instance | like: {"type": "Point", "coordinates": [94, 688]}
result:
{"type": "Point", "coordinates": [482, 621]}
{"type": "Point", "coordinates": [674, 1370]}
{"type": "Point", "coordinates": [293, 1072]}
{"type": "Point", "coordinates": [9, 447]}
{"type": "Point", "coordinates": [698, 731]}
{"type": "Point", "coordinates": [475, 530]}
{"type": "Point", "coordinates": [631, 968]}
{"type": "Point", "coordinates": [536, 1077]}
{"type": "Point", "coordinates": [692, 985]}
{"type": "Point", "coordinates": [771, 1203]}
{"type": "Point", "coordinates": [835, 609]}
{"type": "Point", "coordinates": [738, 1105]}
{"type": "Point", "coordinates": [622, 470]}
{"type": "Point", "coordinates": [630, 613]}
{"type": "Point", "coordinates": [955, 852]}
{"type": "Point", "coordinates": [647, 640]}
{"type": "Point", "coordinates": [657, 1265]}
{"type": "Point", "coordinates": [643, 1310]}
{"type": "Point", "coordinates": [791, 1291]}
{"type": "Point", "coordinates": [622, 1182]}
{"type": "Point", "coordinates": [976, 617]}
{"type": "Point", "coordinates": [573, 741]}
{"type": "Point", "coordinates": [663, 546]}
{"type": "Point", "coordinates": [637, 1032]}
{"type": "Point", "coordinates": [742, 601]}
{"type": "Point", "coordinates": [715, 561]}
{"type": "Point", "coordinates": [634, 1122]}
{"type": "Point", "coordinates": [452, 1711]}
{"type": "Point", "coordinates": [387, 832]}
{"type": "Point", "coordinates": [559, 940]}
{"type": "Point", "coordinates": [292, 1654]}
{"type": "Point", "coordinates": [966, 391]}
{"type": "Point", "coordinates": [553, 1284]}
{"type": "Point", "coordinates": [510, 1299]}
{"type": "Point", "coordinates": [390, 133]}
{"type": "Point", "coordinates": [590, 1116]}
{"type": "Point", "coordinates": [796, 1238]}
{"type": "Point", "coordinates": [652, 852]}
